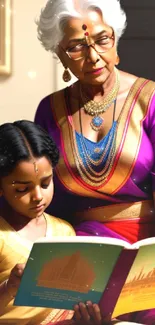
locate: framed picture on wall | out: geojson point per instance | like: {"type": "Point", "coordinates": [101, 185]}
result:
{"type": "Point", "coordinates": [5, 37]}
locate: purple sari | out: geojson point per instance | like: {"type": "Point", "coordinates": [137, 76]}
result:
{"type": "Point", "coordinates": [122, 206]}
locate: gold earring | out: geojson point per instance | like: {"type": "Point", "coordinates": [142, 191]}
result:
{"type": "Point", "coordinates": [117, 60]}
{"type": "Point", "coordinates": [66, 75]}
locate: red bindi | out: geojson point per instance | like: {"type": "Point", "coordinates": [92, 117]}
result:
{"type": "Point", "coordinates": [86, 34]}
{"type": "Point", "coordinates": [84, 27]}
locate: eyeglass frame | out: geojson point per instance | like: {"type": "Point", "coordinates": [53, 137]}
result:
{"type": "Point", "coordinates": [93, 45]}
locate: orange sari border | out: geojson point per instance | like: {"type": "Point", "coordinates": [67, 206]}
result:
{"type": "Point", "coordinates": [119, 212]}
{"type": "Point", "coordinates": [135, 110]}
{"type": "Point", "coordinates": [127, 120]}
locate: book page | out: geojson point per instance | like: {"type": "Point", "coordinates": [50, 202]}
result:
{"type": "Point", "coordinates": [143, 242]}
{"type": "Point", "coordinates": [138, 292]}
{"type": "Point", "coordinates": [86, 239]}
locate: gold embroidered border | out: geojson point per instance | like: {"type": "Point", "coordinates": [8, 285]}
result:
{"type": "Point", "coordinates": [64, 173]}
{"type": "Point", "coordinates": [131, 144]}
{"type": "Point", "coordinates": [129, 151]}
{"type": "Point", "coordinates": [118, 212]}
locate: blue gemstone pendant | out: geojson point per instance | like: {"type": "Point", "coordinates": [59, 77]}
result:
{"type": "Point", "coordinates": [96, 123]}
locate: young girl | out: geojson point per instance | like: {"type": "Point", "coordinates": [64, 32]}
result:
{"type": "Point", "coordinates": [27, 158]}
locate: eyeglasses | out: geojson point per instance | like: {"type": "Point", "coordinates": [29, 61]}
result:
{"type": "Point", "coordinates": [101, 45]}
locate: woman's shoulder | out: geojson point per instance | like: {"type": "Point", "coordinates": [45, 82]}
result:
{"type": "Point", "coordinates": [45, 105]}
{"type": "Point", "coordinates": [129, 84]}
{"type": "Point", "coordinates": [127, 80]}
{"type": "Point", "coordinates": [43, 114]}
{"type": "Point", "coordinates": [46, 100]}
{"type": "Point", "coordinates": [61, 92]}
{"type": "Point", "coordinates": [48, 104]}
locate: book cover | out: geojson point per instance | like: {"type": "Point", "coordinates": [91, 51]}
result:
{"type": "Point", "coordinates": [117, 275]}
{"type": "Point", "coordinates": [61, 274]}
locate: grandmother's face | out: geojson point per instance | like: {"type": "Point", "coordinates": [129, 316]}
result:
{"type": "Point", "coordinates": [93, 67]}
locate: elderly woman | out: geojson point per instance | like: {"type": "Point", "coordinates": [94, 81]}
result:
{"type": "Point", "coordinates": [103, 124]}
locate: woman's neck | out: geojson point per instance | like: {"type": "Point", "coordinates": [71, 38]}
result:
{"type": "Point", "coordinates": [99, 91]}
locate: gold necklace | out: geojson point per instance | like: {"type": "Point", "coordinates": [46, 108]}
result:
{"type": "Point", "coordinates": [96, 108]}
{"type": "Point", "coordinates": [87, 165]}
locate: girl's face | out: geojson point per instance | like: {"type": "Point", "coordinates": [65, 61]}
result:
{"type": "Point", "coordinates": [94, 67]}
{"type": "Point", "coordinates": [29, 188]}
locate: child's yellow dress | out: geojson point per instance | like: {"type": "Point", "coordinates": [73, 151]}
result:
{"type": "Point", "coordinates": [14, 249]}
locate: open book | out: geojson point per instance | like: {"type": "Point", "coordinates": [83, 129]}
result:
{"type": "Point", "coordinates": [67, 270]}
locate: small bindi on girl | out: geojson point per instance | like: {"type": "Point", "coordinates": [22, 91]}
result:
{"type": "Point", "coordinates": [35, 167]}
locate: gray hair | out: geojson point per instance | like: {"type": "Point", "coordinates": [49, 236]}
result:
{"type": "Point", "coordinates": [56, 12]}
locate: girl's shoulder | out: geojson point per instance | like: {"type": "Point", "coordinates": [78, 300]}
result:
{"type": "Point", "coordinates": [4, 228]}
{"type": "Point", "coordinates": [4, 238]}
{"type": "Point", "coordinates": [58, 227]}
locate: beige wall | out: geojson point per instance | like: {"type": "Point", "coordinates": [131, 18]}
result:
{"type": "Point", "coordinates": [33, 69]}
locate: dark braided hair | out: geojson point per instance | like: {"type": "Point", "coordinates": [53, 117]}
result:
{"type": "Point", "coordinates": [23, 140]}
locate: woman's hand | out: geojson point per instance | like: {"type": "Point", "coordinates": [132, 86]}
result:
{"type": "Point", "coordinates": [14, 279]}
{"type": "Point", "coordinates": [87, 314]}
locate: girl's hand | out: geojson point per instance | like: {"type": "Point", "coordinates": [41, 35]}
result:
{"type": "Point", "coordinates": [14, 279]}
{"type": "Point", "coordinates": [87, 314]}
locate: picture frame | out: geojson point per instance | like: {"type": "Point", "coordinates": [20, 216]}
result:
{"type": "Point", "coordinates": [5, 37]}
